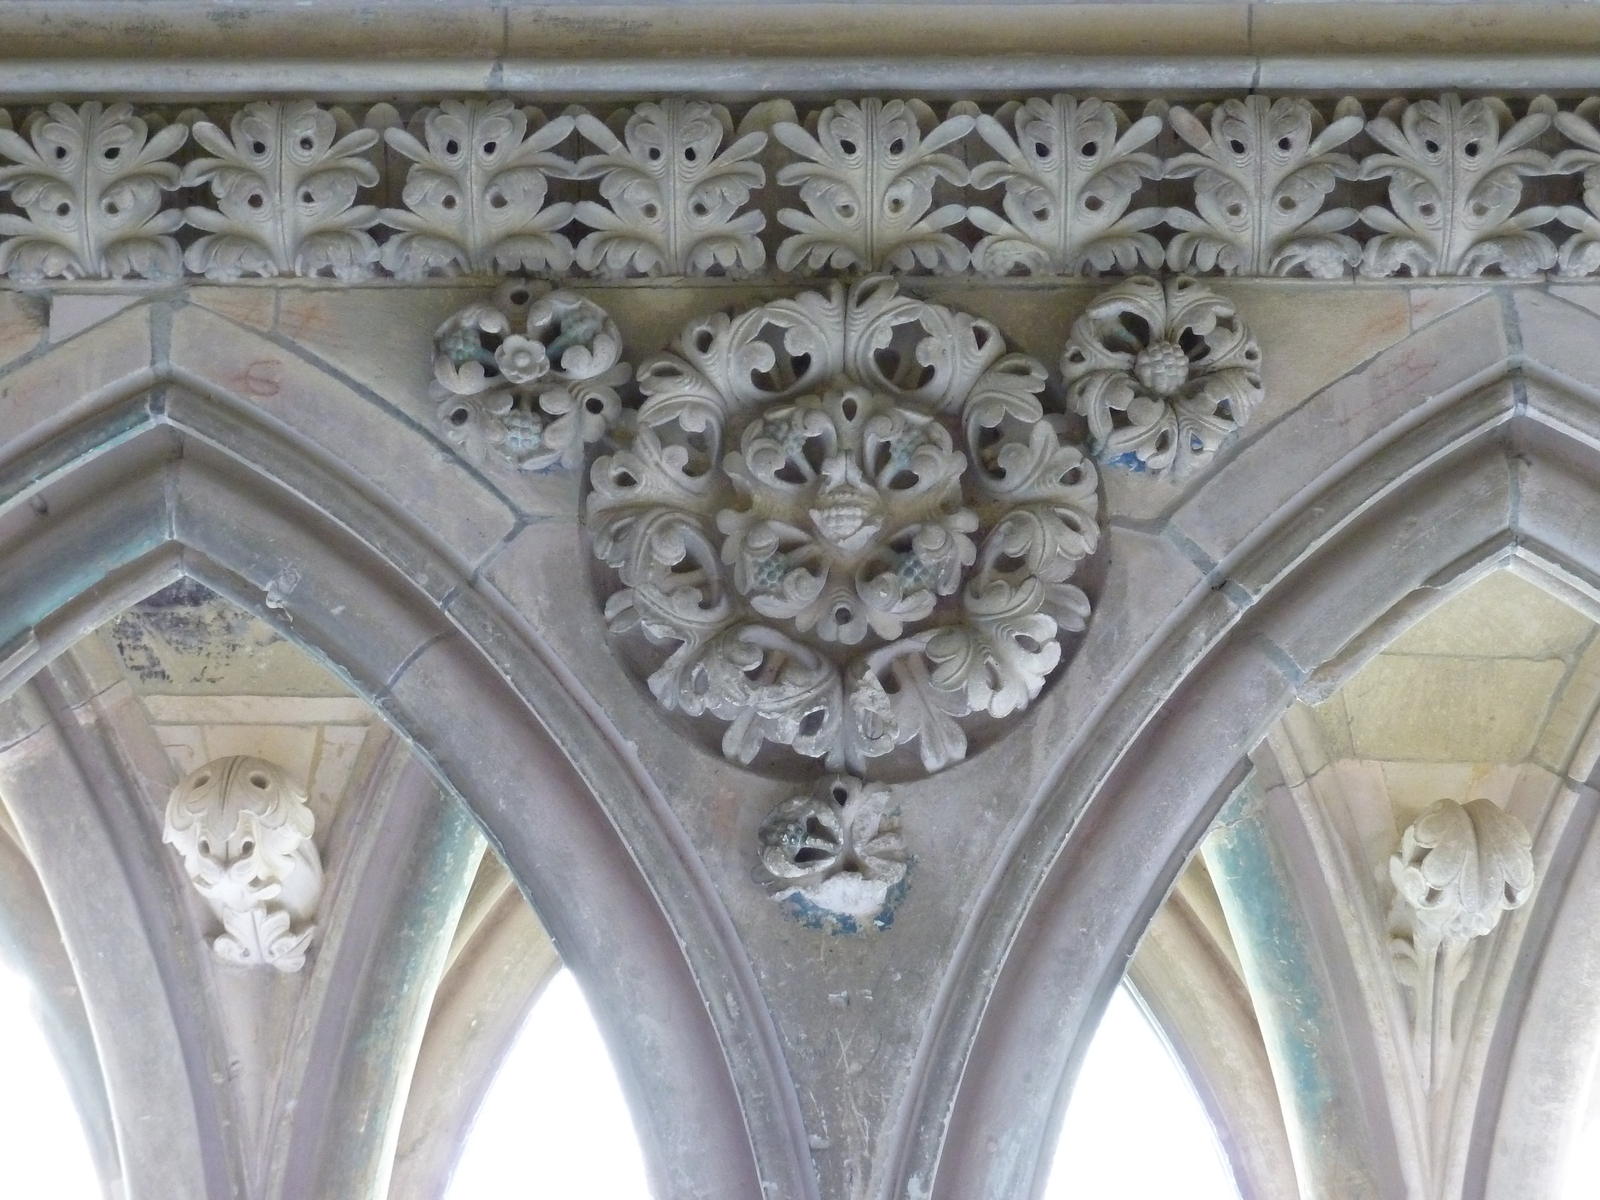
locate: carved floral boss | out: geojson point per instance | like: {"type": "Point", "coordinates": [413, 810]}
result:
{"type": "Point", "coordinates": [851, 516]}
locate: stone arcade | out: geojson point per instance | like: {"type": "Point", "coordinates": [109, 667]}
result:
{"type": "Point", "coordinates": [876, 521]}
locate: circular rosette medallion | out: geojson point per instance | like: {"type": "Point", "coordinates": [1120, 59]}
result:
{"type": "Point", "coordinates": [852, 520]}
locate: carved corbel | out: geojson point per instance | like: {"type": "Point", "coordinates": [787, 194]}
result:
{"type": "Point", "coordinates": [244, 831]}
{"type": "Point", "coordinates": [1458, 869]}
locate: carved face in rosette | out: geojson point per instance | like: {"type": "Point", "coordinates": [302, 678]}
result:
{"type": "Point", "coordinates": [851, 517]}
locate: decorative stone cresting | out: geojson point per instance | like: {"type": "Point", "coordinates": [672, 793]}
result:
{"type": "Point", "coordinates": [244, 831]}
{"type": "Point", "coordinates": [534, 398]}
{"type": "Point", "coordinates": [835, 857]}
{"type": "Point", "coordinates": [1058, 185]}
{"type": "Point", "coordinates": [1164, 371]}
{"type": "Point", "coordinates": [1458, 869]}
{"type": "Point", "coordinates": [851, 515]}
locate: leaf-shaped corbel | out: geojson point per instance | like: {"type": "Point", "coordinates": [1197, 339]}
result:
{"type": "Point", "coordinates": [673, 202]}
{"type": "Point", "coordinates": [285, 178]}
{"type": "Point", "coordinates": [476, 193]}
{"type": "Point", "coordinates": [868, 187]}
{"type": "Point", "coordinates": [90, 181]}
{"type": "Point", "coordinates": [1261, 173]}
{"type": "Point", "coordinates": [1580, 254]}
{"type": "Point", "coordinates": [1070, 172]}
{"type": "Point", "coordinates": [1455, 171]}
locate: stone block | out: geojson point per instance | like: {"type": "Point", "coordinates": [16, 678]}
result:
{"type": "Point", "coordinates": [73, 312]}
{"type": "Point", "coordinates": [1270, 473]}
{"type": "Point", "coordinates": [1558, 336]}
{"type": "Point", "coordinates": [418, 477]}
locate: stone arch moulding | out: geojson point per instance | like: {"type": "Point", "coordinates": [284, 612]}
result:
{"type": "Point", "coordinates": [1465, 466]}
{"type": "Point", "coordinates": [272, 524]}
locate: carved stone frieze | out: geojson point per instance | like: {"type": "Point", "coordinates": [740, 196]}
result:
{"type": "Point", "coordinates": [835, 857]}
{"type": "Point", "coordinates": [244, 831]}
{"type": "Point", "coordinates": [1059, 185]}
{"type": "Point", "coordinates": [1459, 868]}
{"type": "Point", "coordinates": [851, 518]}
{"type": "Point", "coordinates": [1164, 372]}
{"type": "Point", "coordinates": [528, 381]}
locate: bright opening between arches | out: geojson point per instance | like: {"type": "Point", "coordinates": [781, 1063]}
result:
{"type": "Point", "coordinates": [554, 1122]}
{"type": "Point", "coordinates": [1135, 1129]}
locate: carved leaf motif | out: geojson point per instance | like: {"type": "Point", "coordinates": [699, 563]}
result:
{"type": "Point", "coordinates": [840, 848]}
{"type": "Point", "coordinates": [1455, 179]}
{"type": "Point", "coordinates": [90, 180]}
{"type": "Point", "coordinates": [868, 186]}
{"type": "Point", "coordinates": [475, 195]}
{"type": "Point", "coordinates": [531, 399]}
{"type": "Point", "coordinates": [1070, 173]}
{"type": "Point", "coordinates": [1580, 254]}
{"type": "Point", "coordinates": [1261, 173]}
{"type": "Point", "coordinates": [674, 201]}
{"type": "Point", "coordinates": [285, 183]}
{"type": "Point", "coordinates": [1164, 372]}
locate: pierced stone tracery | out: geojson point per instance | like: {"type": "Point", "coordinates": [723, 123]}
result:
{"type": "Point", "coordinates": [886, 551]}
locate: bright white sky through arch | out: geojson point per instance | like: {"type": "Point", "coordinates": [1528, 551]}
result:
{"type": "Point", "coordinates": [43, 1153]}
{"type": "Point", "coordinates": [1135, 1129]}
{"type": "Point", "coordinates": [554, 1125]}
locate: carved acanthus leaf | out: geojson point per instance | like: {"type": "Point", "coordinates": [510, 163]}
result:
{"type": "Point", "coordinates": [852, 518]}
{"type": "Point", "coordinates": [673, 203]}
{"type": "Point", "coordinates": [90, 180]}
{"type": "Point", "coordinates": [1580, 254]}
{"type": "Point", "coordinates": [1164, 372]}
{"type": "Point", "coordinates": [1460, 867]}
{"type": "Point", "coordinates": [868, 185]}
{"type": "Point", "coordinates": [476, 193]}
{"type": "Point", "coordinates": [1261, 173]}
{"type": "Point", "coordinates": [244, 831]}
{"type": "Point", "coordinates": [1070, 172]}
{"type": "Point", "coordinates": [528, 382]}
{"type": "Point", "coordinates": [835, 856]}
{"type": "Point", "coordinates": [1455, 173]}
{"type": "Point", "coordinates": [285, 183]}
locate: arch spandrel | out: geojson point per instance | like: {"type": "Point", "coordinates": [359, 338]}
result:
{"type": "Point", "coordinates": [1246, 633]}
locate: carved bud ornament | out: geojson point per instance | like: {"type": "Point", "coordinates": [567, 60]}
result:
{"type": "Point", "coordinates": [1459, 867]}
{"type": "Point", "coordinates": [528, 381]}
{"type": "Point", "coordinates": [837, 850]}
{"type": "Point", "coordinates": [244, 831]}
{"type": "Point", "coordinates": [850, 517]}
{"type": "Point", "coordinates": [1164, 372]}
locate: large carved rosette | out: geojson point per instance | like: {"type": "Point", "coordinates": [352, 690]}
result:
{"type": "Point", "coordinates": [851, 517]}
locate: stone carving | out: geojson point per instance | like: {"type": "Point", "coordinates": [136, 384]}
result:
{"type": "Point", "coordinates": [678, 186]}
{"type": "Point", "coordinates": [852, 516]}
{"type": "Point", "coordinates": [244, 832]}
{"type": "Point", "coordinates": [1070, 173]}
{"type": "Point", "coordinates": [475, 197]}
{"type": "Point", "coordinates": [1580, 254]}
{"type": "Point", "coordinates": [1261, 173]}
{"type": "Point", "coordinates": [868, 185]}
{"type": "Point", "coordinates": [528, 382]}
{"type": "Point", "coordinates": [1459, 867]}
{"type": "Point", "coordinates": [1163, 371]}
{"type": "Point", "coordinates": [285, 179]}
{"type": "Point", "coordinates": [90, 181]}
{"type": "Point", "coordinates": [1455, 179]}
{"type": "Point", "coordinates": [672, 202]}
{"type": "Point", "coordinates": [836, 855]}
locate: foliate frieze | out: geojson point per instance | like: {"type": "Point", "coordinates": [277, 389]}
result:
{"type": "Point", "coordinates": [1062, 185]}
{"type": "Point", "coordinates": [851, 521]}
{"type": "Point", "coordinates": [244, 832]}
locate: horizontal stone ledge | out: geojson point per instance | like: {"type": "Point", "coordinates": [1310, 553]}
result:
{"type": "Point", "coordinates": [195, 80]}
